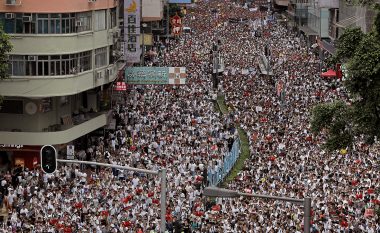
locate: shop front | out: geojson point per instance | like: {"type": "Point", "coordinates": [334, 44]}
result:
{"type": "Point", "coordinates": [19, 155]}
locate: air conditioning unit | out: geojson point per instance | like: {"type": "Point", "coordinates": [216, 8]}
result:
{"type": "Point", "coordinates": [32, 58]}
{"type": "Point", "coordinates": [11, 2]}
{"type": "Point", "coordinates": [91, 1]}
{"type": "Point", "coordinates": [78, 23]}
{"type": "Point", "coordinates": [27, 18]}
{"type": "Point", "coordinates": [9, 15]}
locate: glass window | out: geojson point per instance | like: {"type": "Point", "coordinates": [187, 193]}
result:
{"type": "Point", "coordinates": [85, 60]}
{"type": "Point", "coordinates": [100, 57]}
{"type": "Point", "coordinates": [100, 20]}
{"type": "Point", "coordinates": [86, 22]}
{"type": "Point", "coordinates": [55, 23]}
{"type": "Point", "coordinates": [9, 25]}
{"type": "Point", "coordinates": [17, 65]}
{"type": "Point", "coordinates": [53, 65]}
{"type": "Point", "coordinates": [31, 68]}
{"type": "Point", "coordinates": [19, 23]}
{"type": "Point", "coordinates": [113, 18]}
{"type": "Point", "coordinates": [43, 23]}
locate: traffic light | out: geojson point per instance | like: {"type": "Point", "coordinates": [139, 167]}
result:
{"type": "Point", "coordinates": [48, 159]}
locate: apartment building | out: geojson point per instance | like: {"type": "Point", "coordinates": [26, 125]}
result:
{"type": "Point", "coordinates": [66, 54]}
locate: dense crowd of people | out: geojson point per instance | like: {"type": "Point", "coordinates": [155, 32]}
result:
{"type": "Point", "coordinates": [177, 128]}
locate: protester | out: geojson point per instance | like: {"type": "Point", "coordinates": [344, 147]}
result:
{"type": "Point", "coordinates": [177, 128]}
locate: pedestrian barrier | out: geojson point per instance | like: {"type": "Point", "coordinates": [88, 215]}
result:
{"type": "Point", "coordinates": [215, 177]}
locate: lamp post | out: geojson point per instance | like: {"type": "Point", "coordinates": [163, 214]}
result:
{"type": "Point", "coordinates": [143, 26]}
{"type": "Point", "coordinates": [227, 193]}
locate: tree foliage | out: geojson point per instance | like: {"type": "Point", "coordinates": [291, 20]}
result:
{"type": "Point", "coordinates": [348, 43]}
{"type": "Point", "coordinates": [340, 121]}
{"type": "Point", "coordinates": [5, 48]}
{"type": "Point", "coordinates": [333, 118]}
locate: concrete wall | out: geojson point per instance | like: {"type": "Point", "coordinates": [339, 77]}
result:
{"type": "Point", "coordinates": [329, 3]}
{"type": "Point", "coordinates": [152, 10]}
{"type": "Point", "coordinates": [56, 6]}
{"type": "Point", "coordinates": [53, 138]}
{"type": "Point", "coordinates": [39, 87]}
{"type": "Point", "coordinates": [50, 44]}
{"type": "Point", "coordinates": [38, 121]}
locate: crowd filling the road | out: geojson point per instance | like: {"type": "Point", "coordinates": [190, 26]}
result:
{"type": "Point", "coordinates": [177, 127]}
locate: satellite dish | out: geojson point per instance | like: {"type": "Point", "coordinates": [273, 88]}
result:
{"type": "Point", "coordinates": [31, 108]}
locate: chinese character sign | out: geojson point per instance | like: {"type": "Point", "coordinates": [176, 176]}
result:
{"type": "Point", "coordinates": [132, 31]}
{"type": "Point", "coordinates": [121, 86]}
{"type": "Point", "coordinates": [176, 23]}
{"type": "Point", "coordinates": [155, 75]}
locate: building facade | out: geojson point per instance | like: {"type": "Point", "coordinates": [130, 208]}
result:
{"type": "Point", "coordinates": [65, 56]}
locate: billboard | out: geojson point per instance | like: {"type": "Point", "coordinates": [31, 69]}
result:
{"type": "Point", "coordinates": [132, 50]}
{"type": "Point", "coordinates": [155, 75]}
{"type": "Point", "coordinates": [179, 1]}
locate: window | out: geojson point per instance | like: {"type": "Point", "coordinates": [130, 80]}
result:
{"type": "Point", "coordinates": [19, 23]}
{"type": "Point", "coordinates": [55, 23]}
{"type": "Point", "coordinates": [68, 23]}
{"type": "Point", "coordinates": [43, 66]}
{"type": "Point", "coordinates": [100, 20]}
{"type": "Point", "coordinates": [85, 60]}
{"type": "Point", "coordinates": [9, 25]}
{"type": "Point", "coordinates": [29, 25]}
{"type": "Point", "coordinates": [17, 65]}
{"type": "Point", "coordinates": [100, 57]}
{"type": "Point", "coordinates": [43, 23]}
{"type": "Point", "coordinates": [113, 18]}
{"type": "Point", "coordinates": [54, 65]}
{"type": "Point", "coordinates": [85, 19]}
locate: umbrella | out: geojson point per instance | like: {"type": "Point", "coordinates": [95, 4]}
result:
{"type": "Point", "coordinates": [330, 73]}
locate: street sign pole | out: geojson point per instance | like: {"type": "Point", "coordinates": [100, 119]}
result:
{"type": "Point", "coordinates": [227, 193]}
{"type": "Point", "coordinates": [161, 173]}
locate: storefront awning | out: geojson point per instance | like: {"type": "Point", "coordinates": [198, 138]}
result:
{"type": "Point", "coordinates": [329, 74]}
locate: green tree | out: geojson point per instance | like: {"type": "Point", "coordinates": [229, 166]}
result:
{"type": "Point", "coordinates": [340, 121]}
{"type": "Point", "coordinates": [5, 48]}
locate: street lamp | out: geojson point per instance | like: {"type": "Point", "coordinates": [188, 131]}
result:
{"type": "Point", "coordinates": [227, 193]}
{"type": "Point", "coordinates": [143, 26]}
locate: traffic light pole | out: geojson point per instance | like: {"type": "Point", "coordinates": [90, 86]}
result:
{"type": "Point", "coordinates": [161, 174]}
{"type": "Point", "coordinates": [227, 193]}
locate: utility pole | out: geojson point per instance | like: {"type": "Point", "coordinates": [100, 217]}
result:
{"type": "Point", "coordinates": [216, 67]}
{"type": "Point", "coordinates": [143, 25]}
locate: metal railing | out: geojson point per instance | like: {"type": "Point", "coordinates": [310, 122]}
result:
{"type": "Point", "coordinates": [215, 177]}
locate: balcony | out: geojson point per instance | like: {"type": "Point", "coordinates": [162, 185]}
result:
{"type": "Point", "coordinates": [47, 44]}
{"type": "Point", "coordinates": [56, 136]}
{"type": "Point", "coordinates": [41, 86]}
